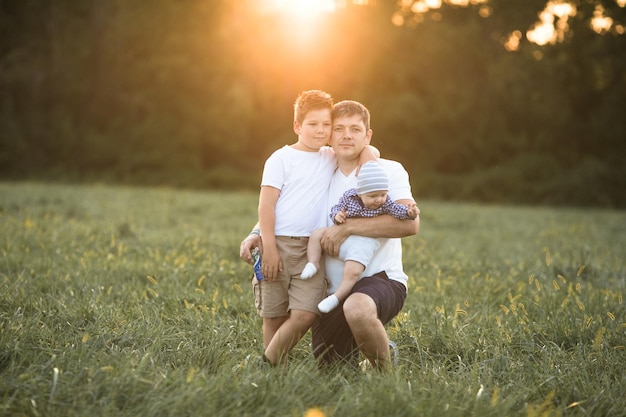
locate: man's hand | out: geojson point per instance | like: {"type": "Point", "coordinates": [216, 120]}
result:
{"type": "Point", "coordinates": [252, 241]}
{"type": "Point", "coordinates": [332, 238]}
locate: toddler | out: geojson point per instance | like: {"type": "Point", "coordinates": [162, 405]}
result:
{"type": "Point", "coordinates": [369, 199]}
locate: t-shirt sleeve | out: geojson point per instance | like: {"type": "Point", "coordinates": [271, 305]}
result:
{"type": "Point", "coordinates": [274, 171]}
{"type": "Point", "coordinates": [399, 186]}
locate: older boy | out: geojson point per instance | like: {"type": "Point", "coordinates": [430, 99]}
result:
{"type": "Point", "coordinates": [293, 188]}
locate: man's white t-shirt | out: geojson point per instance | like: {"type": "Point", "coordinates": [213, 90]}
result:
{"type": "Point", "coordinates": [388, 258]}
{"type": "Point", "coordinates": [302, 178]}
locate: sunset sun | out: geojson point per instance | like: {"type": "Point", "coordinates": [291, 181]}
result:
{"type": "Point", "coordinates": [299, 9]}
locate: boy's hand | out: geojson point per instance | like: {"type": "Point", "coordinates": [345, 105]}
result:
{"type": "Point", "coordinates": [249, 243]}
{"type": "Point", "coordinates": [271, 263]}
{"type": "Point", "coordinates": [341, 217]}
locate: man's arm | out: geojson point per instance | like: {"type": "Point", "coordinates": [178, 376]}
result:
{"type": "Point", "coordinates": [385, 226]}
{"type": "Point", "coordinates": [272, 263]}
{"type": "Point", "coordinates": [253, 240]}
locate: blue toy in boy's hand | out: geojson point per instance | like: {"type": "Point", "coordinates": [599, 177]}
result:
{"type": "Point", "coordinates": [256, 257]}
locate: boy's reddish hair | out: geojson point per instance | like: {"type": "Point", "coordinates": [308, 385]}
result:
{"type": "Point", "coordinates": [311, 100]}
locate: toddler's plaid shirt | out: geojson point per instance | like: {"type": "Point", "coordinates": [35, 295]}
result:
{"type": "Point", "coordinates": [353, 205]}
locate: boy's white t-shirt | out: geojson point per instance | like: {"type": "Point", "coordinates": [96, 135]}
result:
{"type": "Point", "coordinates": [302, 178]}
{"type": "Point", "coordinates": [388, 258]}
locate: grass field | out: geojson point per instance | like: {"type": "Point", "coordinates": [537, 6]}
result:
{"type": "Point", "coordinates": [133, 302]}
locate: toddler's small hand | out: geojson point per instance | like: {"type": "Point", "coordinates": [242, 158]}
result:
{"type": "Point", "coordinates": [341, 217]}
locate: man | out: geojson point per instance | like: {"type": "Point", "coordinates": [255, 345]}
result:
{"type": "Point", "coordinates": [358, 323]}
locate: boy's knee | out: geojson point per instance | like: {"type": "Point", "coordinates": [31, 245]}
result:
{"type": "Point", "coordinates": [303, 318]}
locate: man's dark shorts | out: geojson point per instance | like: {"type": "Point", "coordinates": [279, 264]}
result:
{"type": "Point", "coordinates": [332, 338]}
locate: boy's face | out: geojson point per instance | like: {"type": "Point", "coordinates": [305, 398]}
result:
{"type": "Point", "coordinates": [349, 137]}
{"type": "Point", "coordinates": [314, 132]}
{"type": "Point", "coordinates": [374, 199]}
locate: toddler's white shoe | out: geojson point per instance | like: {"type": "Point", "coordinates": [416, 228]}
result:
{"type": "Point", "coordinates": [308, 271]}
{"type": "Point", "coordinates": [328, 304]}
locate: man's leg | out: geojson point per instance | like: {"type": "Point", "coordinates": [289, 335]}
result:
{"type": "Point", "coordinates": [332, 334]}
{"type": "Point", "coordinates": [368, 331]}
{"type": "Point", "coordinates": [375, 301]}
{"type": "Point", "coordinates": [332, 340]}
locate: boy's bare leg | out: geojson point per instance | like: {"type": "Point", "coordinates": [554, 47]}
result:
{"type": "Point", "coordinates": [288, 335]}
{"type": "Point", "coordinates": [313, 254]}
{"type": "Point", "coordinates": [270, 327]}
{"type": "Point", "coordinates": [352, 271]}
{"type": "Point", "coordinates": [368, 331]}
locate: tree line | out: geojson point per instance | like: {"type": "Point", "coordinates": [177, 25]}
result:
{"type": "Point", "coordinates": [198, 93]}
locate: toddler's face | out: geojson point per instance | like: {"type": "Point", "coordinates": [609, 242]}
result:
{"type": "Point", "coordinates": [374, 199]}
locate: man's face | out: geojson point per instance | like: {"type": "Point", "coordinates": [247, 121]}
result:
{"type": "Point", "coordinates": [349, 137]}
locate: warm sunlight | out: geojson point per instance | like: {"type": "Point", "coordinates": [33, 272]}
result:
{"type": "Point", "coordinates": [297, 22]}
{"type": "Point", "coordinates": [513, 41]}
{"type": "Point", "coordinates": [301, 10]}
{"type": "Point", "coordinates": [418, 8]}
{"type": "Point", "coordinates": [552, 24]}
{"type": "Point", "coordinates": [600, 23]}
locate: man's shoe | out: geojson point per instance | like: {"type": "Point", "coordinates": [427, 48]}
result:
{"type": "Point", "coordinates": [394, 357]}
{"type": "Point", "coordinates": [394, 353]}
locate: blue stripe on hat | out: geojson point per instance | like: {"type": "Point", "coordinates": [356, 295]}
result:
{"type": "Point", "coordinates": [372, 177]}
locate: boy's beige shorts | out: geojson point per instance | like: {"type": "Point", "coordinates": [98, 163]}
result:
{"type": "Point", "coordinates": [289, 291]}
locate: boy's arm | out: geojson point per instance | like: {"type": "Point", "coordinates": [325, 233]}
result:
{"type": "Point", "coordinates": [267, 222]}
{"type": "Point", "coordinates": [369, 153]}
{"type": "Point", "coordinates": [384, 226]}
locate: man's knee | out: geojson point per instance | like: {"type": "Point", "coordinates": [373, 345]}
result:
{"type": "Point", "coordinates": [359, 309]}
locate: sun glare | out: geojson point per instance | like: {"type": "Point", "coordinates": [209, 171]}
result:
{"type": "Point", "coordinates": [600, 23]}
{"type": "Point", "coordinates": [552, 24]}
{"type": "Point", "coordinates": [299, 9]}
{"type": "Point", "coordinates": [297, 22]}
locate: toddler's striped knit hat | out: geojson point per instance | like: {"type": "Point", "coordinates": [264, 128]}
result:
{"type": "Point", "coordinates": [372, 177]}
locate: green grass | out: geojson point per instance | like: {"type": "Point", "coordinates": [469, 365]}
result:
{"type": "Point", "coordinates": [133, 301]}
